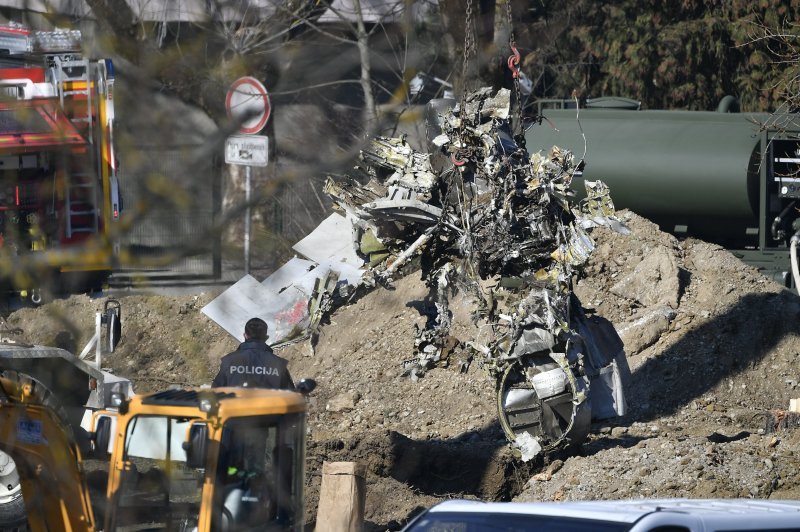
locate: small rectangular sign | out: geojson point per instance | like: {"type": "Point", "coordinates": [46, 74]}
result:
{"type": "Point", "coordinates": [30, 431]}
{"type": "Point", "coordinates": [247, 150]}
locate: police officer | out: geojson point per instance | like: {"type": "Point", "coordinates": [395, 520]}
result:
{"type": "Point", "coordinates": [254, 364]}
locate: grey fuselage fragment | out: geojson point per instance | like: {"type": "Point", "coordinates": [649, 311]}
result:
{"type": "Point", "coordinates": [486, 218]}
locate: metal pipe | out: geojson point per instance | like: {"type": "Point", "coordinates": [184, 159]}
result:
{"type": "Point", "coordinates": [777, 232]}
{"type": "Point", "coordinates": [247, 220]}
{"type": "Point", "coordinates": [728, 104]}
{"type": "Point", "coordinates": [404, 256]}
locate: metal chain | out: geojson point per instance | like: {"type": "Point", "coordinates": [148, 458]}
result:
{"type": "Point", "coordinates": [469, 46]}
{"type": "Point", "coordinates": [469, 50]}
{"type": "Point", "coordinates": [461, 154]}
{"type": "Point", "coordinates": [517, 104]}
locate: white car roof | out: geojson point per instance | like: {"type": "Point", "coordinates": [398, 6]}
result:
{"type": "Point", "coordinates": [627, 511]}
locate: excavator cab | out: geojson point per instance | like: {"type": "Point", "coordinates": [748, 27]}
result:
{"type": "Point", "coordinates": [225, 459]}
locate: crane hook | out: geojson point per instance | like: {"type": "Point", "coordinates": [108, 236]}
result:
{"type": "Point", "coordinates": [513, 61]}
{"type": "Point", "coordinates": [456, 162]}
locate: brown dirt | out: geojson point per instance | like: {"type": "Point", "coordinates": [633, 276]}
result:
{"type": "Point", "coordinates": [713, 346]}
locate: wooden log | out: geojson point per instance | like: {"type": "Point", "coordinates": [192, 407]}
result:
{"type": "Point", "coordinates": [794, 405]}
{"type": "Point", "coordinates": [342, 497]}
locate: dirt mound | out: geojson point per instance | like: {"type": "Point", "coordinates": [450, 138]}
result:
{"type": "Point", "coordinates": [712, 346]}
{"type": "Point", "coordinates": [696, 322]}
{"type": "Point", "coordinates": [165, 339]}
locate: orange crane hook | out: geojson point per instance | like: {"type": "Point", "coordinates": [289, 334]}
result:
{"type": "Point", "coordinates": [513, 61]}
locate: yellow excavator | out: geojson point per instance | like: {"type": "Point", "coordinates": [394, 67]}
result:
{"type": "Point", "coordinates": [225, 459]}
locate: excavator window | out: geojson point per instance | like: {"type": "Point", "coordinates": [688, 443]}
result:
{"type": "Point", "coordinates": [259, 474]}
{"type": "Point", "coordinates": [157, 490]}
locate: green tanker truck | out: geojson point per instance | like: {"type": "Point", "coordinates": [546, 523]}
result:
{"type": "Point", "coordinates": [723, 176]}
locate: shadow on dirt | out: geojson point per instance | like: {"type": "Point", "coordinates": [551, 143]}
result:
{"type": "Point", "coordinates": [711, 353]}
{"type": "Point", "coordinates": [476, 464]}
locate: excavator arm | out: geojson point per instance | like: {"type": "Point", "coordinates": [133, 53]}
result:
{"type": "Point", "coordinates": [48, 461]}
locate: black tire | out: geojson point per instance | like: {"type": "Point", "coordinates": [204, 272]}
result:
{"type": "Point", "coordinates": [13, 517]}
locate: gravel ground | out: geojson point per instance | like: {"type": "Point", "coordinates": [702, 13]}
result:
{"type": "Point", "coordinates": [712, 345]}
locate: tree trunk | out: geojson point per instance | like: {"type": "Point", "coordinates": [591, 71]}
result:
{"type": "Point", "coordinates": [502, 27]}
{"type": "Point", "coordinates": [370, 114]}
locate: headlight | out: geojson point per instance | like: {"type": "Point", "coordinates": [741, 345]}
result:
{"type": "Point", "coordinates": [205, 405]}
{"type": "Point", "coordinates": [117, 400]}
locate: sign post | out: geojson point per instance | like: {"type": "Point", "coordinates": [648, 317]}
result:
{"type": "Point", "coordinates": [248, 103]}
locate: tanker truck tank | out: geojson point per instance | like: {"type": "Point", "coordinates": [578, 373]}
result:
{"type": "Point", "coordinates": [725, 177]}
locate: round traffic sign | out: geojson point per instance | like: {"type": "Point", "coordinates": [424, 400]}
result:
{"type": "Point", "coordinates": [248, 102]}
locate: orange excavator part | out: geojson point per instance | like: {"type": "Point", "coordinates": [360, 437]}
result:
{"type": "Point", "coordinates": [47, 458]}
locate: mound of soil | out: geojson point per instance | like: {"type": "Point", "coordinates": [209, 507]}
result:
{"type": "Point", "coordinates": [713, 348]}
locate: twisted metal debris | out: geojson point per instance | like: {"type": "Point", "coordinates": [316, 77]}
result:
{"type": "Point", "coordinates": [486, 217]}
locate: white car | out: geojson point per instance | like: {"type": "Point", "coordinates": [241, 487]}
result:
{"type": "Point", "coordinates": [652, 515]}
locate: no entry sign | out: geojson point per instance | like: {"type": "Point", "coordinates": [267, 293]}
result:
{"type": "Point", "coordinates": [248, 101]}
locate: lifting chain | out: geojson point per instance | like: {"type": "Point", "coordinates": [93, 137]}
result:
{"type": "Point", "coordinates": [459, 158]}
{"type": "Point", "coordinates": [513, 65]}
{"type": "Point", "coordinates": [469, 49]}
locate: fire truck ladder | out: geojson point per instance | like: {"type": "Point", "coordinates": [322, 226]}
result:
{"type": "Point", "coordinates": [82, 216]}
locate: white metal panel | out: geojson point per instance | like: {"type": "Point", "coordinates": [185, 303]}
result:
{"type": "Point", "coordinates": [287, 274]}
{"type": "Point", "coordinates": [331, 241]}
{"type": "Point", "coordinates": [297, 269]}
{"type": "Point", "coordinates": [347, 272]}
{"type": "Point", "coordinates": [249, 299]}
{"type": "Point", "coordinates": [244, 300]}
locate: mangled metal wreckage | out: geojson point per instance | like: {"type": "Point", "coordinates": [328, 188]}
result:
{"type": "Point", "coordinates": [487, 218]}
{"type": "Point", "coordinates": [479, 215]}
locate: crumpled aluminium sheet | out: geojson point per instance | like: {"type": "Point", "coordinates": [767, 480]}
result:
{"type": "Point", "coordinates": [494, 216]}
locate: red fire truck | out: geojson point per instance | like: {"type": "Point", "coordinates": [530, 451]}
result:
{"type": "Point", "coordinates": [59, 191]}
